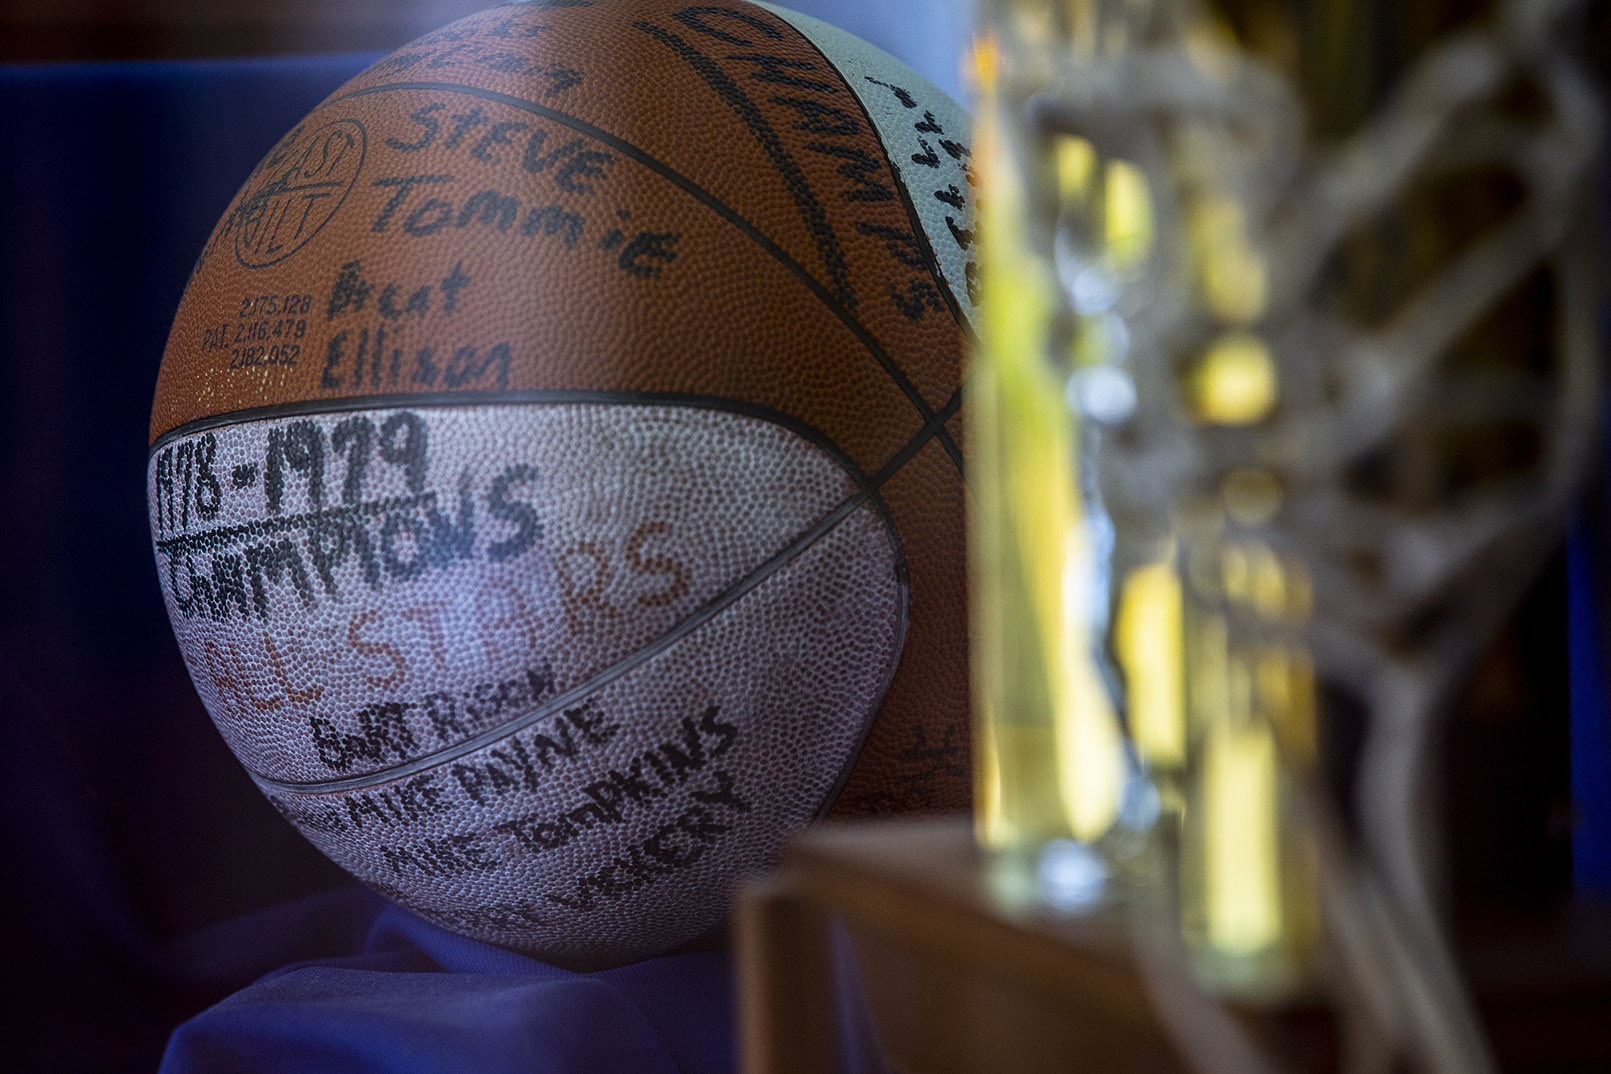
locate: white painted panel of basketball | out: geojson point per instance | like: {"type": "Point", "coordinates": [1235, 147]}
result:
{"type": "Point", "coordinates": [736, 734]}
{"type": "Point", "coordinates": [642, 514]}
{"type": "Point", "coordinates": [531, 654]}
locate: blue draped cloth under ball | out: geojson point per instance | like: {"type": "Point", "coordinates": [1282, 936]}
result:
{"type": "Point", "coordinates": [407, 996]}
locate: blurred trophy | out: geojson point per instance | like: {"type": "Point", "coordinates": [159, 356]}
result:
{"type": "Point", "coordinates": [1286, 381]}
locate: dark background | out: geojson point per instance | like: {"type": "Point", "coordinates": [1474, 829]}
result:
{"type": "Point", "coordinates": [57, 30]}
{"type": "Point", "coordinates": [125, 824]}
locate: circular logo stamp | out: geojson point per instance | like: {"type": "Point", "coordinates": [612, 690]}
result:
{"type": "Point", "coordinates": [299, 190]}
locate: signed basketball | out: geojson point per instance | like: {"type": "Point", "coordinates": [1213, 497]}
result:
{"type": "Point", "coordinates": [555, 472]}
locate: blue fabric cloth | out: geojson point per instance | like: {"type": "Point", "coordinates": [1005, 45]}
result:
{"type": "Point", "coordinates": [408, 997]}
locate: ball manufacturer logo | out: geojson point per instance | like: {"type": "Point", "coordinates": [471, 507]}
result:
{"type": "Point", "coordinates": [299, 193]}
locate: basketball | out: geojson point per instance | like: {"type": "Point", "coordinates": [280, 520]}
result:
{"type": "Point", "coordinates": [555, 470]}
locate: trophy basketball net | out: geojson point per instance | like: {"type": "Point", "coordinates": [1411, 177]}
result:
{"type": "Point", "coordinates": [1287, 381]}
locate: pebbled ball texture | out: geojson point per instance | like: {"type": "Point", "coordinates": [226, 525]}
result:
{"type": "Point", "coordinates": [555, 476]}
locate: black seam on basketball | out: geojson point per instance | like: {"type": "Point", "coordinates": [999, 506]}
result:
{"type": "Point", "coordinates": [931, 431]}
{"type": "Point", "coordinates": [952, 407]}
{"type": "Point", "coordinates": [789, 171]}
{"type": "Point", "coordinates": [699, 193]}
{"type": "Point", "coordinates": [627, 664]}
{"type": "Point", "coordinates": [222, 536]}
{"type": "Point", "coordinates": [937, 423]}
{"type": "Point", "coordinates": [805, 199]}
{"type": "Point", "coordinates": [902, 623]}
{"type": "Point", "coordinates": [903, 456]}
{"type": "Point", "coordinates": [902, 191]}
{"type": "Point", "coordinates": [869, 487]}
{"type": "Point", "coordinates": [927, 249]}
{"type": "Point", "coordinates": [512, 397]}
{"type": "Point", "coordinates": [867, 493]}
{"type": "Point", "coordinates": [887, 472]}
